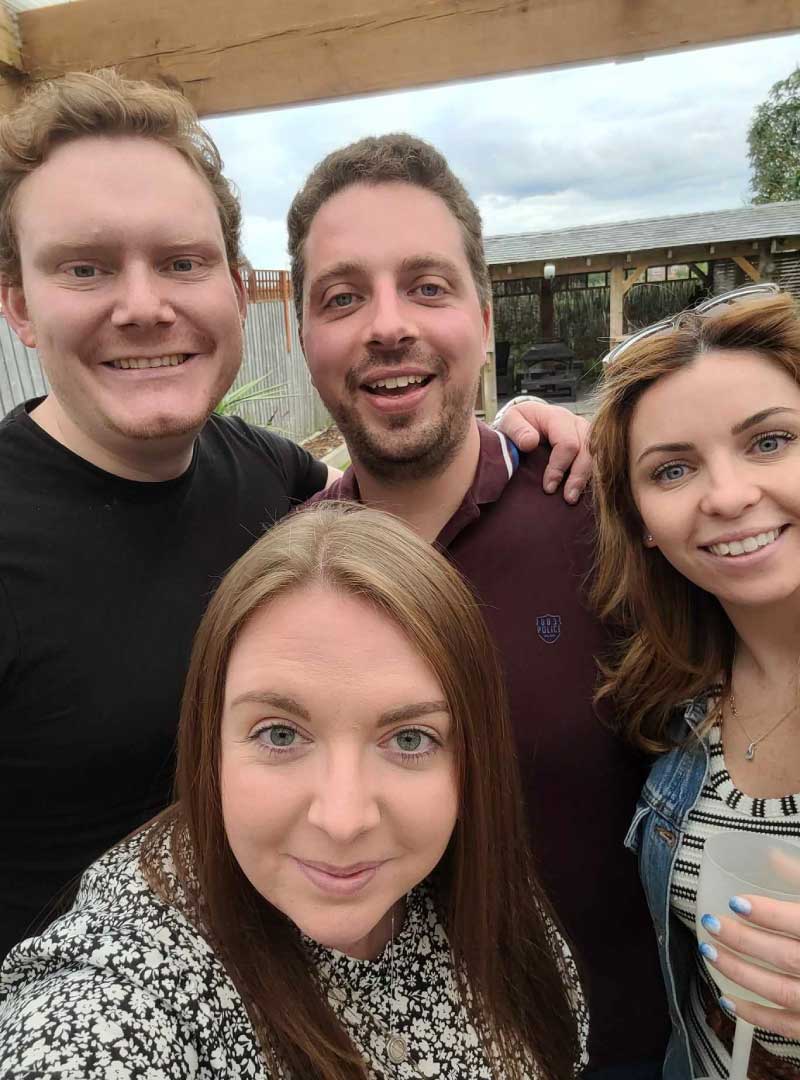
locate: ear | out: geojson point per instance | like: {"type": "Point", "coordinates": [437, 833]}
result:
{"type": "Point", "coordinates": [486, 318]}
{"type": "Point", "coordinates": [15, 309]}
{"type": "Point", "coordinates": [241, 292]}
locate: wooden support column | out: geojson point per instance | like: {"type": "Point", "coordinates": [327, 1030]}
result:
{"type": "Point", "coordinates": [616, 281]}
{"type": "Point", "coordinates": [747, 266]}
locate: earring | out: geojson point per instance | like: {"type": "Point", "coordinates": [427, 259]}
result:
{"type": "Point", "coordinates": [648, 538]}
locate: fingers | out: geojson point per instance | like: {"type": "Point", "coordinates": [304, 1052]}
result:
{"type": "Point", "coordinates": [780, 915]}
{"type": "Point", "coordinates": [520, 430]}
{"type": "Point", "coordinates": [778, 1021]}
{"type": "Point", "coordinates": [763, 945]}
{"type": "Point", "coordinates": [579, 474]}
{"type": "Point", "coordinates": [525, 424]}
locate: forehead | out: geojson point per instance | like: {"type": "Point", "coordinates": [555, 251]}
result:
{"type": "Point", "coordinates": [381, 225]}
{"type": "Point", "coordinates": [711, 393]}
{"type": "Point", "coordinates": [100, 188]}
{"type": "Point", "coordinates": [317, 636]}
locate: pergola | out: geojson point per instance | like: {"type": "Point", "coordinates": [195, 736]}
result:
{"type": "Point", "coordinates": [256, 54]}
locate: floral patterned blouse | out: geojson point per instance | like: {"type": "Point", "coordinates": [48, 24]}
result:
{"type": "Point", "coordinates": [124, 987]}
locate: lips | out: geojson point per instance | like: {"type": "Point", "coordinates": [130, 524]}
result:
{"type": "Point", "coordinates": [339, 880]}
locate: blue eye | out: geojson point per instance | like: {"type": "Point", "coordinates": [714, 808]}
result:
{"type": "Point", "coordinates": [342, 300]}
{"type": "Point", "coordinates": [670, 473]}
{"type": "Point", "coordinates": [436, 290]}
{"type": "Point", "coordinates": [411, 744]}
{"type": "Point", "coordinates": [183, 265]}
{"type": "Point", "coordinates": [277, 738]}
{"type": "Point", "coordinates": [773, 441]}
{"type": "Point", "coordinates": [83, 271]}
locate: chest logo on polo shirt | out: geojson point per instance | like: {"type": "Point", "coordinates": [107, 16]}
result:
{"type": "Point", "coordinates": [548, 627]}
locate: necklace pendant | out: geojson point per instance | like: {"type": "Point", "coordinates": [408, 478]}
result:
{"type": "Point", "coordinates": [750, 752]}
{"type": "Point", "coordinates": [396, 1049]}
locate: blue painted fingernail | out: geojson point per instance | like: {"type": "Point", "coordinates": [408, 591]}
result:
{"type": "Point", "coordinates": [711, 924]}
{"type": "Point", "coordinates": [740, 905]}
{"type": "Point", "coordinates": [708, 951]}
{"type": "Point", "coordinates": [728, 1005]}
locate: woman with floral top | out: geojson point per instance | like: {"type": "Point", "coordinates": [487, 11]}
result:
{"type": "Point", "coordinates": [697, 454]}
{"type": "Point", "coordinates": [342, 888]}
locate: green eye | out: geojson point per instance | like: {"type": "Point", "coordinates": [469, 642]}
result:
{"type": "Point", "coordinates": [409, 741]}
{"type": "Point", "coordinates": [280, 736]}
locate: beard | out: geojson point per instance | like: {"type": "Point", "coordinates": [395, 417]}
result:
{"type": "Point", "coordinates": [403, 448]}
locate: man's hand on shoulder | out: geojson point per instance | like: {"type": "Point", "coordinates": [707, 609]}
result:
{"type": "Point", "coordinates": [528, 422]}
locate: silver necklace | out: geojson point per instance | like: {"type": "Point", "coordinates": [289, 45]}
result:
{"type": "Point", "coordinates": [750, 752]}
{"type": "Point", "coordinates": [396, 1045]}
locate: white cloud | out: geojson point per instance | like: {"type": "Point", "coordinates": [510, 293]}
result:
{"type": "Point", "coordinates": [665, 135]}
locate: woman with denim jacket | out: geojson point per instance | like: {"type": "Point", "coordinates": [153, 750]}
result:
{"type": "Point", "coordinates": [697, 452]}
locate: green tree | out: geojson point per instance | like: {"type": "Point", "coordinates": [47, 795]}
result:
{"type": "Point", "coordinates": [774, 141]}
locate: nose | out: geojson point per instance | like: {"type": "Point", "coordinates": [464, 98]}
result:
{"type": "Point", "coordinates": [391, 324]}
{"type": "Point", "coordinates": [731, 490]}
{"type": "Point", "coordinates": [344, 803]}
{"type": "Point", "coordinates": [142, 299]}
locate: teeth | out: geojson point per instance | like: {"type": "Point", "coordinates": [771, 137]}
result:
{"type": "Point", "coordinates": [150, 362]}
{"type": "Point", "coordinates": [748, 544]}
{"type": "Point", "coordinates": [400, 380]}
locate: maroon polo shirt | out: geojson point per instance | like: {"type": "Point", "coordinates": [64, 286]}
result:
{"type": "Point", "coordinates": [526, 555]}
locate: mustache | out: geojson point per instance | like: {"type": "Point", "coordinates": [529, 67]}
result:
{"type": "Point", "coordinates": [413, 354]}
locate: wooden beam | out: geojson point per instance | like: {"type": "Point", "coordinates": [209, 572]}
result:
{"type": "Point", "coordinates": [10, 55]}
{"type": "Point", "coordinates": [747, 266]}
{"type": "Point", "coordinates": [646, 258]}
{"type": "Point", "coordinates": [254, 54]}
{"type": "Point", "coordinates": [634, 279]}
{"type": "Point", "coordinates": [616, 280]}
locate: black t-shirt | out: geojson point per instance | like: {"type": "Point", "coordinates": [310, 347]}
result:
{"type": "Point", "coordinates": [103, 582]}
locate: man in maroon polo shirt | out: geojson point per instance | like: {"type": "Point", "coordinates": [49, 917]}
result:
{"type": "Point", "coordinates": [393, 295]}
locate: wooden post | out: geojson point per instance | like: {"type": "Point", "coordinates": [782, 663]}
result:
{"type": "Point", "coordinates": [547, 317]}
{"type": "Point", "coordinates": [616, 280]}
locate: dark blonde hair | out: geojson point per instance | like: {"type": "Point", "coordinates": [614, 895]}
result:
{"type": "Point", "coordinates": [105, 103]}
{"type": "Point", "coordinates": [678, 641]}
{"type": "Point", "coordinates": [489, 901]}
{"type": "Point", "coordinates": [385, 159]}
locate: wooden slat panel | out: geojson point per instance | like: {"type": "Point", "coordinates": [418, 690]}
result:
{"type": "Point", "coordinates": [251, 54]}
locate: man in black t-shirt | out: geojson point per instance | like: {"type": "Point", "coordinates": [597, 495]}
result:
{"type": "Point", "coordinates": [122, 500]}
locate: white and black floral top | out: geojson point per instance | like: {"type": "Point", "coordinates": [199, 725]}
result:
{"type": "Point", "coordinates": [124, 987]}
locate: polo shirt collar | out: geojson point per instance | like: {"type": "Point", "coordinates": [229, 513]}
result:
{"type": "Point", "coordinates": [497, 462]}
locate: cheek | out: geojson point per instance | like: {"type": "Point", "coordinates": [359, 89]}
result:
{"type": "Point", "coordinates": [428, 810]}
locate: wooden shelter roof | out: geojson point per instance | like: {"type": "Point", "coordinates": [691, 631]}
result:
{"type": "Point", "coordinates": [771, 220]}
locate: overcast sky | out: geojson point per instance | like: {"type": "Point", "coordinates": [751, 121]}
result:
{"type": "Point", "coordinates": [609, 142]}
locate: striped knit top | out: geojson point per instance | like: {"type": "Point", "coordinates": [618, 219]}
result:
{"type": "Point", "coordinates": [722, 807]}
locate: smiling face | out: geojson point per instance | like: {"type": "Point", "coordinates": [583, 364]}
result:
{"type": "Point", "coordinates": [126, 291]}
{"type": "Point", "coordinates": [715, 473]}
{"type": "Point", "coordinates": [337, 767]}
{"type": "Point", "coordinates": [393, 330]}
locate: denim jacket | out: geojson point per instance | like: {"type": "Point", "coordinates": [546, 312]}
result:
{"type": "Point", "coordinates": [669, 794]}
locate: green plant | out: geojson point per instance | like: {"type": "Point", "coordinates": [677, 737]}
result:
{"type": "Point", "coordinates": [247, 392]}
{"type": "Point", "coordinates": [774, 142]}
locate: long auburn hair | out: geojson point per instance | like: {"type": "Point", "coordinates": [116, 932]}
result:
{"type": "Point", "coordinates": [677, 641]}
{"type": "Point", "coordinates": [499, 924]}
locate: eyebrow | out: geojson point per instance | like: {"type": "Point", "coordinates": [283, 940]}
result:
{"type": "Point", "coordinates": [350, 268]}
{"type": "Point", "coordinates": [737, 429]}
{"type": "Point", "coordinates": [291, 705]}
{"type": "Point", "coordinates": [267, 697]}
{"type": "Point", "coordinates": [412, 712]}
